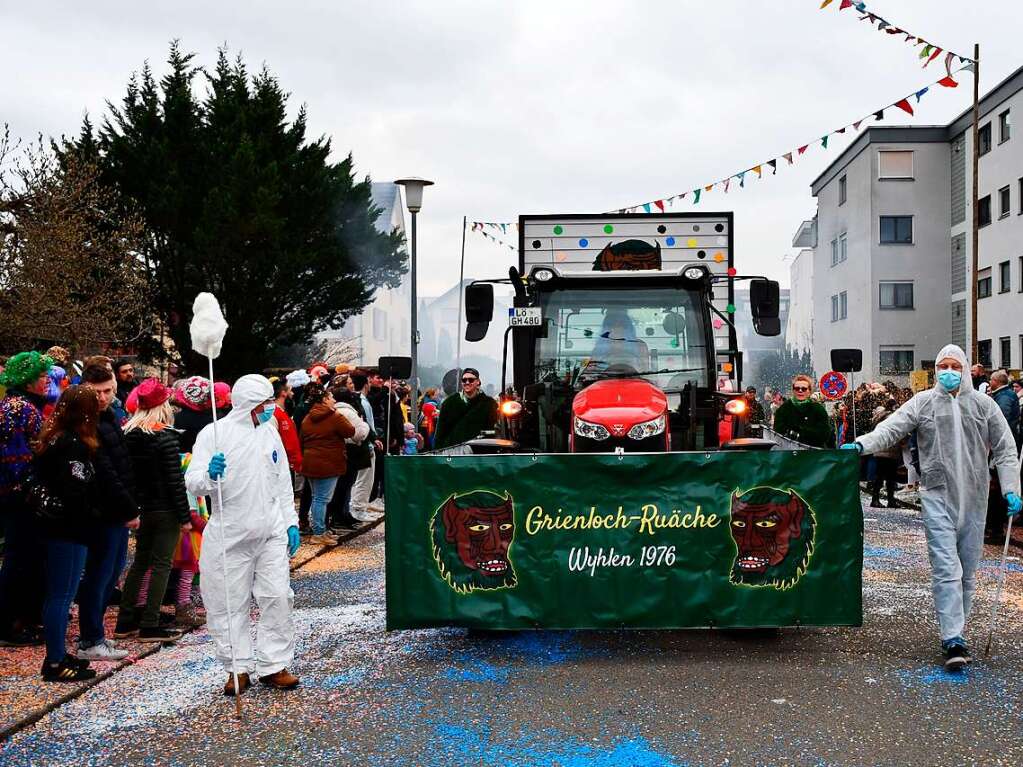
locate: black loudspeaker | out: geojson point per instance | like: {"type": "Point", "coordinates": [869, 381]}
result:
{"type": "Point", "coordinates": [847, 360]}
{"type": "Point", "coordinates": [395, 367]}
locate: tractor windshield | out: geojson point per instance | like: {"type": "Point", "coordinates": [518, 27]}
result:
{"type": "Point", "coordinates": [657, 334]}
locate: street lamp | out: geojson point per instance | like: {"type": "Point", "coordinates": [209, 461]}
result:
{"type": "Point", "coordinates": [414, 200]}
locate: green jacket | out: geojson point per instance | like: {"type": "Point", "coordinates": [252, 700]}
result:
{"type": "Point", "coordinates": [807, 423]}
{"type": "Point", "coordinates": [460, 421]}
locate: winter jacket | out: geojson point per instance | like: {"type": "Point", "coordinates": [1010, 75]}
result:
{"type": "Point", "coordinates": [807, 423]}
{"type": "Point", "coordinates": [289, 436]}
{"type": "Point", "coordinates": [189, 423]}
{"type": "Point", "coordinates": [156, 460]}
{"type": "Point", "coordinates": [70, 473]}
{"type": "Point", "coordinates": [360, 447]}
{"type": "Point", "coordinates": [1008, 403]}
{"type": "Point", "coordinates": [379, 398]}
{"type": "Point", "coordinates": [324, 431]}
{"type": "Point", "coordinates": [20, 423]}
{"type": "Point", "coordinates": [114, 470]}
{"type": "Point", "coordinates": [461, 420]}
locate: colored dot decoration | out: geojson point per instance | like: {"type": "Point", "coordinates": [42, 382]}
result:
{"type": "Point", "coordinates": [718, 324]}
{"type": "Point", "coordinates": [701, 254]}
{"type": "Point", "coordinates": [696, 227]}
{"type": "Point", "coordinates": [691, 243]}
{"type": "Point", "coordinates": [536, 243]}
{"type": "Point", "coordinates": [583, 242]}
{"type": "Point", "coordinates": [730, 308]}
{"type": "Point", "coordinates": [670, 242]}
{"type": "Point", "coordinates": [559, 229]}
{"type": "Point", "coordinates": [662, 229]}
{"type": "Point", "coordinates": [722, 241]}
{"type": "Point", "coordinates": [561, 256]}
{"type": "Point", "coordinates": [608, 229]}
{"type": "Point", "coordinates": [731, 271]}
{"type": "Point", "coordinates": [719, 257]}
{"type": "Point", "coordinates": [719, 227]}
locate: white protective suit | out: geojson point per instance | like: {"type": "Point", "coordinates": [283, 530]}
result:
{"type": "Point", "coordinates": [251, 530]}
{"type": "Point", "coordinates": [955, 436]}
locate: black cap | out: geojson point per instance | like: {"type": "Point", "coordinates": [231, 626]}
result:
{"type": "Point", "coordinates": [474, 371]}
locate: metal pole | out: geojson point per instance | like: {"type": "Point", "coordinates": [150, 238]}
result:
{"type": "Point", "coordinates": [458, 321]}
{"type": "Point", "coordinates": [414, 404]}
{"type": "Point", "coordinates": [975, 243]}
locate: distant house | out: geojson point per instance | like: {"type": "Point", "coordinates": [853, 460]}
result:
{"type": "Point", "coordinates": [382, 329]}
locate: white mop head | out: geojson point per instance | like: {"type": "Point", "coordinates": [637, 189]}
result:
{"type": "Point", "coordinates": [208, 326]}
{"type": "Point", "coordinates": [297, 378]}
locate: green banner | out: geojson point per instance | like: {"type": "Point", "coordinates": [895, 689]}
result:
{"type": "Point", "coordinates": [675, 540]}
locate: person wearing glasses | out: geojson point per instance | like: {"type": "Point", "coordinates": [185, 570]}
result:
{"type": "Point", "coordinates": [465, 414]}
{"type": "Point", "coordinates": [802, 419]}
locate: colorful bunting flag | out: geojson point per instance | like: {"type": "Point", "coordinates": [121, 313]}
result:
{"type": "Point", "coordinates": [904, 105]}
{"type": "Point", "coordinates": [696, 196]}
{"type": "Point", "coordinates": [774, 167]}
{"type": "Point", "coordinates": [708, 188]}
{"type": "Point", "coordinates": [919, 94]}
{"type": "Point", "coordinates": [756, 169]}
{"type": "Point", "coordinates": [660, 205]}
{"type": "Point", "coordinates": [937, 52]}
{"type": "Point", "coordinates": [845, 4]}
{"type": "Point", "coordinates": [879, 115]}
{"type": "Point", "coordinates": [948, 82]}
{"type": "Point", "coordinates": [742, 178]}
{"type": "Point", "coordinates": [824, 141]}
{"type": "Point", "coordinates": [802, 149]}
{"type": "Point", "coordinates": [788, 156]}
{"type": "Point", "coordinates": [856, 125]}
{"type": "Point", "coordinates": [826, 3]}
{"type": "Point", "coordinates": [646, 207]}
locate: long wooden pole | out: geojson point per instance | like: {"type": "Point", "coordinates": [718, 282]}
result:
{"type": "Point", "coordinates": [975, 243]}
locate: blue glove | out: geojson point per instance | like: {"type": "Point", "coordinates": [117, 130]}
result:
{"type": "Point", "coordinates": [853, 446]}
{"type": "Point", "coordinates": [294, 540]}
{"type": "Point", "coordinates": [1015, 503]}
{"type": "Point", "coordinates": [217, 467]}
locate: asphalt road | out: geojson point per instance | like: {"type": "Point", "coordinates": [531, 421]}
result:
{"type": "Point", "coordinates": [870, 696]}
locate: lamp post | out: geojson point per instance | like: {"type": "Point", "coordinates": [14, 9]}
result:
{"type": "Point", "coordinates": [414, 201]}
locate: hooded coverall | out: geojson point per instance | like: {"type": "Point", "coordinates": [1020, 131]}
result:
{"type": "Point", "coordinates": [955, 436]}
{"type": "Point", "coordinates": [250, 531]}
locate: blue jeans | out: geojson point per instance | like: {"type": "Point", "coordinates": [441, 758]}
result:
{"type": "Point", "coordinates": [322, 490]}
{"type": "Point", "coordinates": [103, 566]}
{"type": "Point", "coordinates": [65, 562]}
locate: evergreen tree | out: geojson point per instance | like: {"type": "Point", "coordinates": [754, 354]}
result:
{"type": "Point", "coordinates": [241, 203]}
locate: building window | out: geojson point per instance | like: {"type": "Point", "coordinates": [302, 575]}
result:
{"type": "Point", "coordinates": [984, 139]}
{"type": "Point", "coordinates": [1005, 352]}
{"type": "Point", "coordinates": [834, 308]}
{"type": "Point", "coordinates": [1004, 202]}
{"type": "Point", "coordinates": [379, 324]}
{"type": "Point", "coordinates": [896, 230]}
{"type": "Point", "coordinates": [1004, 277]}
{"type": "Point", "coordinates": [834, 251]}
{"type": "Point", "coordinates": [839, 307]}
{"type": "Point", "coordinates": [895, 164]}
{"type": "Point", "coordinates": [841, 191]}
{"type": "Point", "coordinates": [984, 283]}
{"type": "Point", "coordinates": [843, 247]}
{"type": "Point", "coordinates": [1004, 127]}
{"type": "Point", "coordinates": [984, 353]}
{"type": "Point", "coordinates": [896, 295]}
{"type": "Point", "coordinates": [1020, 196]}
{"type": "Point", "coordinates": [896, 361]}
{"type": "Point", "coordinates": [1021, 275]}
{"type": "Point", "coordinates": [984, 211]}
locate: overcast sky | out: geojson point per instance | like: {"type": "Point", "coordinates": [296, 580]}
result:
{"type": "Point", "coordinates": [534, 106]}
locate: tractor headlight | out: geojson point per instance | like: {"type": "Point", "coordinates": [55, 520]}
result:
{"type": "Point", "coordinates": [647, 429]}
{"type": "Point", "coordinates": [589, 430]}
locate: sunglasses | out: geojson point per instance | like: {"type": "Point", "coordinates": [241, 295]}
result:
{"type": "Point", "coordinates": [800, 388]}
{"type": "Point", "coordinates": [469, 380]}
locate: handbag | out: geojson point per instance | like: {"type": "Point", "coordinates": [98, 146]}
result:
{"type": "Point", "coordinates": [45, 505]}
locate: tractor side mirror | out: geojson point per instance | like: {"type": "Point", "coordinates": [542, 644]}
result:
{"type": "Point", "coordinates": [479, 310]}
{"type": "Point", "coordinates": [765, 298]}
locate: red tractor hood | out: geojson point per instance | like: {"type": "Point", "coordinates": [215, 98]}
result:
{"type": "Point", "coordinates": [619, 404]}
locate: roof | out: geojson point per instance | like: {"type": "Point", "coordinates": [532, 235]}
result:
{"type": "Point", "coordinates": [385, 196]}
{"type": "Point", "coordinates": [1002, 92]}
{"type": "Point", "coordinates": [898, 134]}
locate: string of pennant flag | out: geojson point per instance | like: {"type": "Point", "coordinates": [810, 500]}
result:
{"type": "Point", "coordinates": [928, 50]}
{"type": "Point", "coordinates": [493, 230]}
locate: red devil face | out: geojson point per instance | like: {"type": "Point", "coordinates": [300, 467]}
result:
{"type": "Point", "coordinates": [481, 536]}
{"type": "Point", "coordinates": [763, 532]}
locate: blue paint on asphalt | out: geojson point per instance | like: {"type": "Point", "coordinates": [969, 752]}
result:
{"type": "Point", "coordinates": [882, 552]}
{"type": "Point", "coordinates": [342, 680]}
{"type": "Point", "coordinates": [993, 564]}
{"type": "Point", "coordinates": [933, 675]}
{"type": "Point", "coordinates": [478, 672]}
{"type": "Point", "coordinates": [553, 750]}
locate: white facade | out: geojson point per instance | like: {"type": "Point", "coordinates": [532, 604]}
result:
{"type": "Point", "coordinates": [1000, 252]}
{"type": "Point", "coordinates": [881, 270]}
{"type": "Point", "coordinates": [799, 328]}
{"type": "Point", "coordinates": [383, 328]}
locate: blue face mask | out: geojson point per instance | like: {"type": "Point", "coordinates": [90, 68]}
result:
{"type": "Point", "coordinates": [267, 414]}
{"type": "Point", "coordinates": [950, 379]}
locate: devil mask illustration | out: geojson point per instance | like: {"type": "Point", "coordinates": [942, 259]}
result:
{"type": "Point", "coordinates": [472, 534]}
{"type": "Point", "coordinates": [773, 532]}
{"type": "Point", "coordinates": [629, 255]}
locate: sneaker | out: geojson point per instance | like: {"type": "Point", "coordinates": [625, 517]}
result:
{"type": "Point", "coordinates": [22, 638]}
{"type": "Point", "coordinates": [957, 657]}
{"type": "Point", "coordinates": [377, 505]}
{"type": "Point", "coordinates": [323, 540]}
{"type": "Point", "coordinates": [158, 634]}
{"type": "Point", "coordinates": [125, 630]}
{"type": "Point", "coordinates": [70, 669]}
{"type": "Point", "coordinates": [363, 516]}
{"type": "Point", "coordinates": [104, 650]}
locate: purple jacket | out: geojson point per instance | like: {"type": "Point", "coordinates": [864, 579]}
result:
{"type": "Point", "coordinates": [20, 424]}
